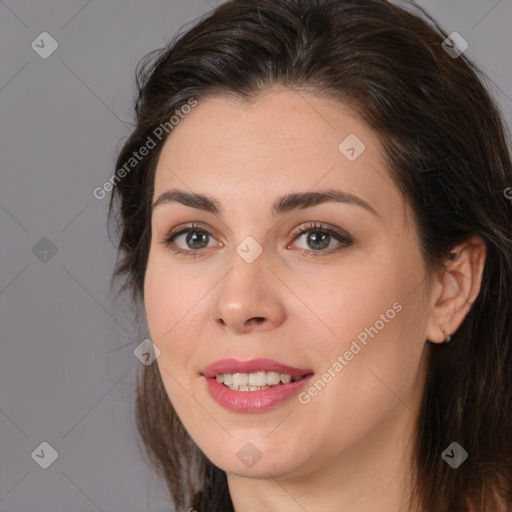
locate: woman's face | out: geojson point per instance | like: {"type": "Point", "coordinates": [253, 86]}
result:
{"type": "Point", "coordinates": [333, 288]}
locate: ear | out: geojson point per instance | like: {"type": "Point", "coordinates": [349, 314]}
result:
{"type": "Point", "coordinates": [456, 288]}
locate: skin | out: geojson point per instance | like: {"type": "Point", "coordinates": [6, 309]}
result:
{"type": "Point", "coordinates": [349, 448]}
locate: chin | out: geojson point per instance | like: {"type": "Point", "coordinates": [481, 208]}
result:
{"type": "Point", "coordinates": [247, 462]}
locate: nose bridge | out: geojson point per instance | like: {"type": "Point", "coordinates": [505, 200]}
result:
{"type": "Point", "coordinates": [246, 293]}
{"type": "Point", "coordinates": [242, 283]}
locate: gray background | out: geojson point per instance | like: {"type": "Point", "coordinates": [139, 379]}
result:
{"type": "Point", "coordinates": [67, 367]}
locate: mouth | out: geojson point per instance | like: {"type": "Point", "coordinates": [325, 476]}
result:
{"type": "Point", "coordinates": [253, 375]}
{"type": "Point", "coordinates": [256, 381]}
{"type": "Point", "coordinates": [253, 386]}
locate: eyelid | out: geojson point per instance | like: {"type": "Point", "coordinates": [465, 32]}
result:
{"type": "Point", "coordinates": [319, 226]}
{"type": "Point", "coordinates": [170, 236]}
{"type": "Point", "coordinates": [187, 227]}
{"type": "Point", "coordinates": [344, 238]}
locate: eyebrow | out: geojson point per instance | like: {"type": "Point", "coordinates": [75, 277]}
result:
{"type": "Point", "coordinates": [282, 205]}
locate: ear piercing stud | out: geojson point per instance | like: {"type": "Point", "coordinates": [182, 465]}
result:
{"type": "Point", "coordinates": [447, 337]}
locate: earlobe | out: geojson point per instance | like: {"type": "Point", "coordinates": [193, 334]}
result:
{"type": "Point", "coordinates": [456, 289]}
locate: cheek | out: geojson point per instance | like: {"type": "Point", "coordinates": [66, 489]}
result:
{"type": "Point", "coordinates": [343, 304]}
{"type": "Point", "coordinates": [365, 316]}
{"type": "Point", "coordinates": [167, 298]}
{"type": "Point", "coordinates": [362, 379]}
{"type": "Point", "coordinates": [172, 303]}
{"type": "Point", "coordinates": [163, 312]}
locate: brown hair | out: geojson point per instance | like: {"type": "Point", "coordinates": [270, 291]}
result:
{"type": "Point", "coordinates": [447, 151]}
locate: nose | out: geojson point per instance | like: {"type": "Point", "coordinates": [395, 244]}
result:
{"type": "Point", "coordinates": [248, 298]}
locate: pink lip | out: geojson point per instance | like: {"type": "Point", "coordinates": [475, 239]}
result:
{"type": "Point", "coordinates": [252, 366]}
{"type": "Point", "coordinates": [253, 401]}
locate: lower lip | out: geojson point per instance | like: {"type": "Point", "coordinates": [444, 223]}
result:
{"type": "Point", "coordinates": [254, 401]}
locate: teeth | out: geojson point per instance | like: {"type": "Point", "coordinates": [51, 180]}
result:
{"type": "Point", "coordinates": [240, 379]}
{"type": "Point", "coordinates": [254, 381]}
{"type": "Point", "coordinates": [273, 378]}
{"type": "Point", "coordinates": [257, 379]}
{"type": "Point", "coordinates": [285, 378]}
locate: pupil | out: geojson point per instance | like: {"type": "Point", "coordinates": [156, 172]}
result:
{"type": "Point", "coordinates": [319, 238]}
{"type": "Point", "coordinates": [192, 238]}
{"type": "Point", "coordinates": [324, 238]}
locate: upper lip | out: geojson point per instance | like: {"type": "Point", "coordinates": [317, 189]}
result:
{"type": "Point", "coordinates": [253, 365]}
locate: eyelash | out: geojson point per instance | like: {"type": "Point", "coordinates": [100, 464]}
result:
{"type": "Point", "coordinates": [339, 235]}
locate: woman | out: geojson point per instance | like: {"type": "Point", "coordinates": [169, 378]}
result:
{"type": "Point", "coordinates": [313, 211]}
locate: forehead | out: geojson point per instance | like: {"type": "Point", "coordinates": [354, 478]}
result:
{"type": "Point", "coordinates": [283, 141]}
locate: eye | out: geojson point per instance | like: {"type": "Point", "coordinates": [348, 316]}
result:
{"type": "Point", "coordinates": [195, 239]}
{"type": "Point", "coordinates": [319, 238]}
